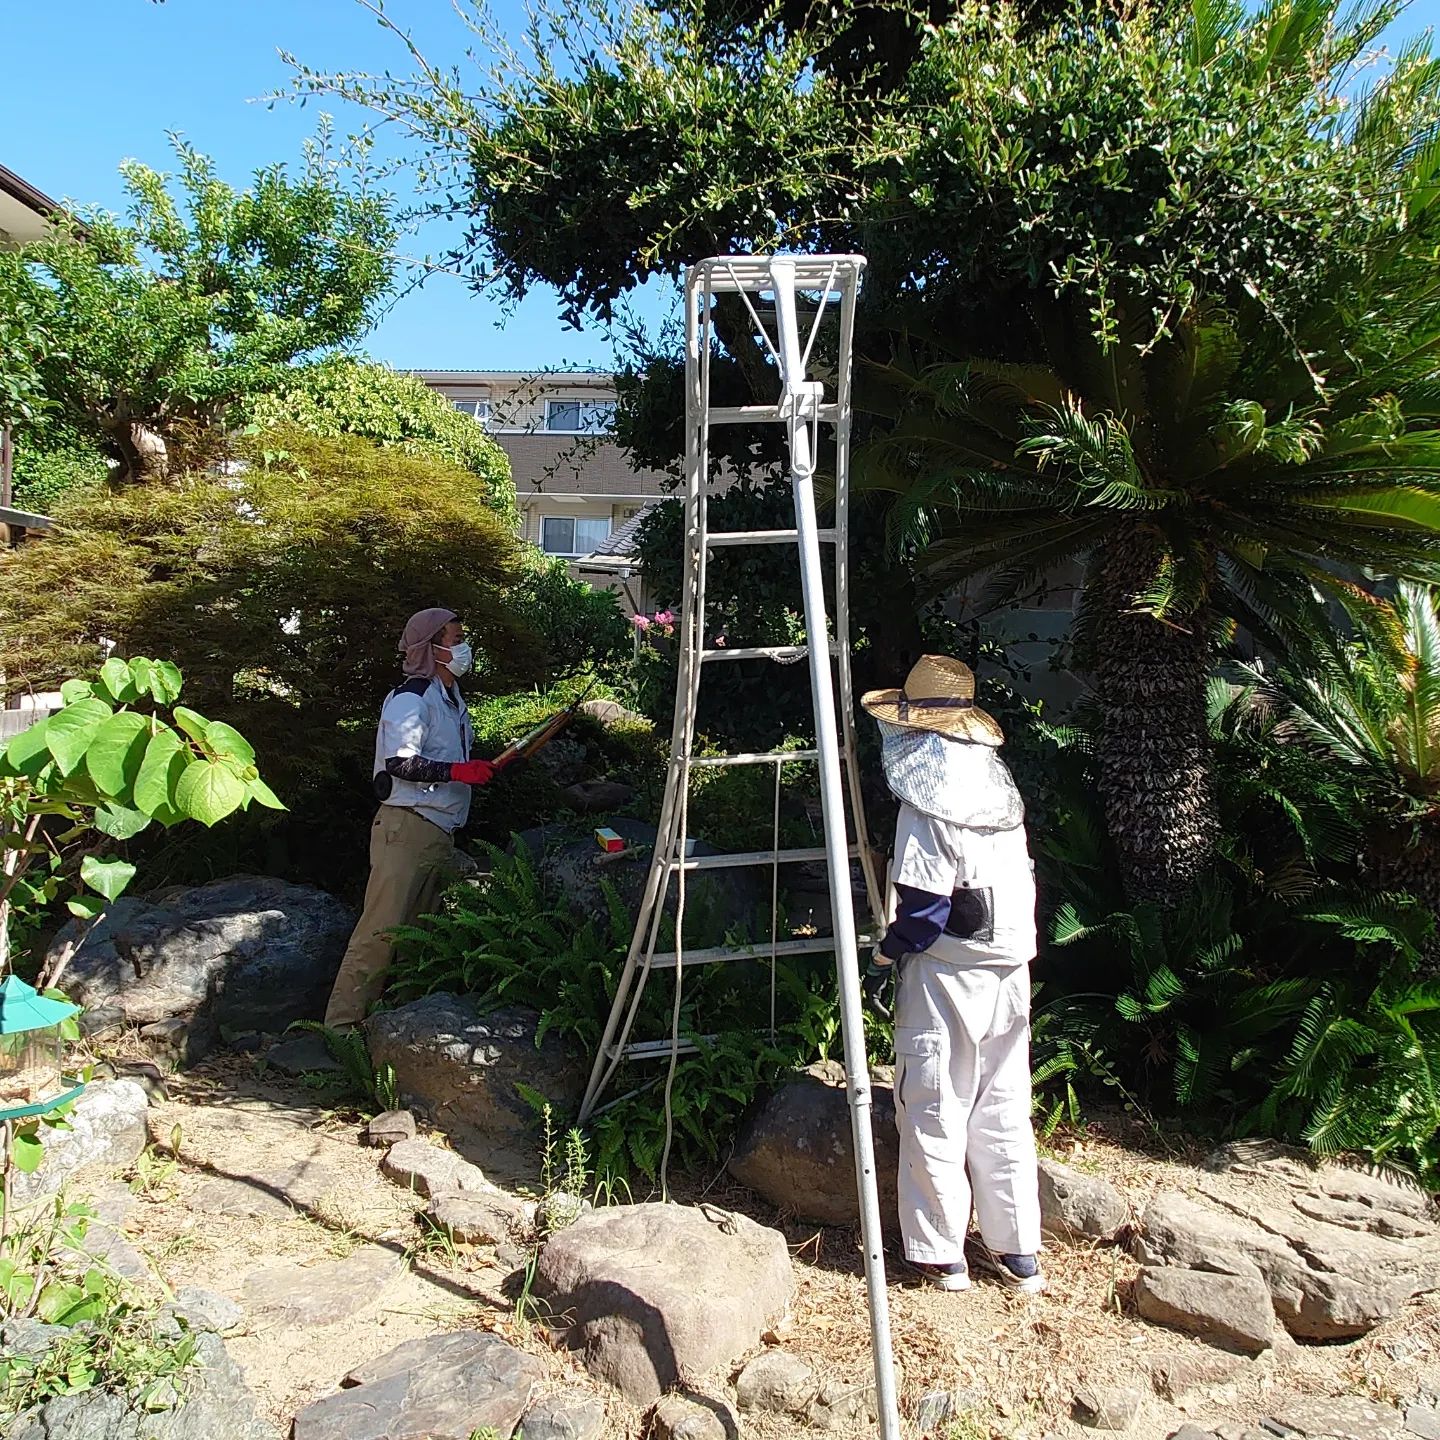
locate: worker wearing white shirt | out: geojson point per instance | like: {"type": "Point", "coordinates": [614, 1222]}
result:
{"type": "Point", "coordinates": [423, 777]}
{"type": "Point", "coordinates": [961, 935]}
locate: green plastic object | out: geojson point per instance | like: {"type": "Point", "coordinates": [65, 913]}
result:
{"type": "Point", "coordinates": [32, 1081]}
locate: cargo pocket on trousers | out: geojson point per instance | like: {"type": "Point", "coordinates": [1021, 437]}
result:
{"type": "Point", "coordinates": [919, 1064]}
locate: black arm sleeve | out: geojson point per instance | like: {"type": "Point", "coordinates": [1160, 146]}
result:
{"type": "Point", "coordinates": [418, 769]}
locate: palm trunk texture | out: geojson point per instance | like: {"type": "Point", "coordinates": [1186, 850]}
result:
{"type": "Point", "coordinates": [1154, 751]}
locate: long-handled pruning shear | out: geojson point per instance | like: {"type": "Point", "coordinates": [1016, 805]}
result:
{"type": "Point", "coordinates": [530, 744]}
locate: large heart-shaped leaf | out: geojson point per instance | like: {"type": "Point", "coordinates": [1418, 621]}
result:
{"type": "Point", "coordinates": [26, 1151]}
{"type": "Point", "coordinates": [208, 791]}
{"type": "Point", "coordinates": [28, 753]}
{"type": "Point", "coordinates": [119, 822]}
{"type": "Point", "coordinates": [115, 676]}
{"type": "Point", "coordinates": [166, 757]}
{"type": "Point", "coordinates": [117, 751]}
{"type": "Point", "coordinates": [108, 877]}
{"type": "Point", "coordinates": [193, 724]}
{"type": "Point", "coordinates": [166, 682]}
{"type": "Point", "coordinates": [227, 743]}
{"type": "Point", "coordinates": [69, 731]}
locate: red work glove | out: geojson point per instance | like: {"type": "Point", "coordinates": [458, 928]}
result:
{"type": "Point", "coordinates": [473, 772]}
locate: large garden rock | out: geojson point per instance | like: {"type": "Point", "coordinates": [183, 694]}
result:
{"type": "Point", "coordinates": [1235, 1309]}
{"type": "Point", "coordinates": [575, 1416]}
{"type": "Point", "coordinates": [214, 1405]}
{"type": "Point", "coordinates": [464, 1070]}
{"type": "Point", "coordinates": [652, 1292]}
{"type": "Point", "coordinates": [797, 1150]}
{"type": "Point", "coordinates": [248, 953]}
{"type": "Point", "coordinates": [1339, 1250]}
{"type": "Point", "coordinates": [106, 1133]}
{"type": "Point", "coordinates": [444, 1387]}
{"type": "Point", "coordinates": [1076, 1206]}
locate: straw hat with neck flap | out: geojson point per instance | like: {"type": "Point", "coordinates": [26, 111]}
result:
{"type": "Point", "coordinates": [939, 696]}
{"type": "Point", "coordinates": [940, 749]}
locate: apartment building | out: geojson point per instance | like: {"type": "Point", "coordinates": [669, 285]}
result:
{"type": "Point", "coordinates": [574, 485]}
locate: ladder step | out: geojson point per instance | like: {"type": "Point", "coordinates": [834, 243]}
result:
{"type": "Point", "coordinates": [761, 757]}
{"type": "Point", "coordinates": [658, 1049]}
{"type": "Point", "coordinates": [740, 858]}
{"type": "Point", "coordinates": [764, 652]}
{"type": "Point", "coordinates": [763, 537]}
{"type": "Point", "coordinates": [716, 954]}
{"type": "Point", "coordinates": [750, 414]}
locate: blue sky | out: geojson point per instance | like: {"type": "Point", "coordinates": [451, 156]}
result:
{"type": "Point", "coordinates": [89, 83]}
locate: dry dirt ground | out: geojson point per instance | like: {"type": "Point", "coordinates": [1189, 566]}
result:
{"type": "Point", "coordinates": [275, 1203]}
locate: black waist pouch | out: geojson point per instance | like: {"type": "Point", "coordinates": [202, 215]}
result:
{"type": "Point", "coordinates": [972, 915]}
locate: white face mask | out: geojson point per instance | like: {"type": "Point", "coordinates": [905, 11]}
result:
{"type": "Point", "coordinates": [461, 658]}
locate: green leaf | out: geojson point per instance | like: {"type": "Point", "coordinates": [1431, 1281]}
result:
{"type": "Point", "coordinates": [226, 742]}
{"type": "Point", "coordinates": [27, 1151]}
{"type": "Point", "coordinates": [115, 676]}
{"type": "Point", "coordinates": [109, 877]}
{"type": "Point", "coordinates": [73, 690]}
{"type": "Point", "coordinates": [120, 823]}
{"type": "Point", "coordinates": [166, 757]}
{"type": "Point", "coordinates": [262, 794]}
{"type": "Point", "coordinates": [193, 724]}
{"type": "Point", "coordinates": [140, 669]}
{"type": "Point", "coordinates": [117, 751]}
{"type": "Point", "coordinates": [208, 791]}
{"type": "Point", "coordinates": [86, 907]}
{"type": "Point", "coordinates": [166, 682]}
{"type": "Point", "coordinates": [69, 731]}
{"type": "Point", "coordinates": [28, 753]}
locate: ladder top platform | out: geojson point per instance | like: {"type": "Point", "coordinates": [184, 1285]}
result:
{"type": "Point", "coordinates": [727, 274]}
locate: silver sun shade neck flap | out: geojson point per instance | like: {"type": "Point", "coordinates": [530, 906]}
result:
{"type": "Point", "coordinates": [953, 780]}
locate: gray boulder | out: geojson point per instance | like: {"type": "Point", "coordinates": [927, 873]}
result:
{"type": "Point", "coordinates": [1234, 1309]}
{"type": "Point", "coordinates": [797, 1151]}
{"type": "Point", "coordinates": [777, 1382]}
{"type": "Point", "coordinates": [654, 1293]}
{"type": "Point", "coordinates": [1332, 1264]}
{"type": "Point", "coordinates": [1076, 1206]}
{"type": "Point", "coordinates": [247, 953]}
{"type": "Point", "coordinates": [576, 1416]}
{"type": "Point", "coordinates": [463, 1070]}
{"type": "Point", "coordinates": [444, 1387]}
{"type": "Point", "coordinates": [106, 1133]}
{"type": "Point", "coordinates": [679, 1417]}
{"type": "Point", "coordinates": [212, 1403]}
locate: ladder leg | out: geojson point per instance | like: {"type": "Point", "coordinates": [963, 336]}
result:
{"type": "Point", "coordinates": [833, 812]}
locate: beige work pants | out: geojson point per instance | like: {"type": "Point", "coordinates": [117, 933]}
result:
{"type": "Point", "coordinates": [962, 1102]}
{"type": "Point", "coordinates": [409, 860]}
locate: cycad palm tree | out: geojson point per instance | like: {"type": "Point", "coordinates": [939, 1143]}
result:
{"type": "Point", "coordinates": [1191, 468]}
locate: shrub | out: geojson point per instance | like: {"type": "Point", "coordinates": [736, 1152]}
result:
{"type": "Point", "coordinates": [280, 591]}
{"type": "Point", "coordinates": [510, 942]}
{"type": "Point", "coordinates": [340, 396]}
{"type": "Point", "coordinates": [52, 461]}
{"type": "Point", "coordinates": [1275, 999]}
{"type": "Point", "coordinates": [581, 628]}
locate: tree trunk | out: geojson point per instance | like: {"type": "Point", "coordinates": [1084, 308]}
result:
{"type": "Point", "coordinates": [144, 455]}
{"type": "Point", "coordinates": [1151, 678]}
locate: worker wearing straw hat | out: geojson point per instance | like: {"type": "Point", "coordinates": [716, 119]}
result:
{"type": "Point", "coordinates": [961, 936]}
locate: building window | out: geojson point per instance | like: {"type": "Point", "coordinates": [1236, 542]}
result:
{"type": "Point", "coordinates": [480, 409]}
{"type": "Point", "coordinates": [562, 535]}
{"type": "Point", "coordinates": [580, 417]}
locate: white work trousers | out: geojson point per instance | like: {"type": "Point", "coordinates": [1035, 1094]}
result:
{"type": "Point", "coordinates": [962, 1103]}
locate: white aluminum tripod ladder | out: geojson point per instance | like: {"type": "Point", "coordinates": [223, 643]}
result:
{"type": "Point", "coordinates": [833, 281]}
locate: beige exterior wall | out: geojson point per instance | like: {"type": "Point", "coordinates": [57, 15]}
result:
{"type": "Point", "coordinates": [560, 475]}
